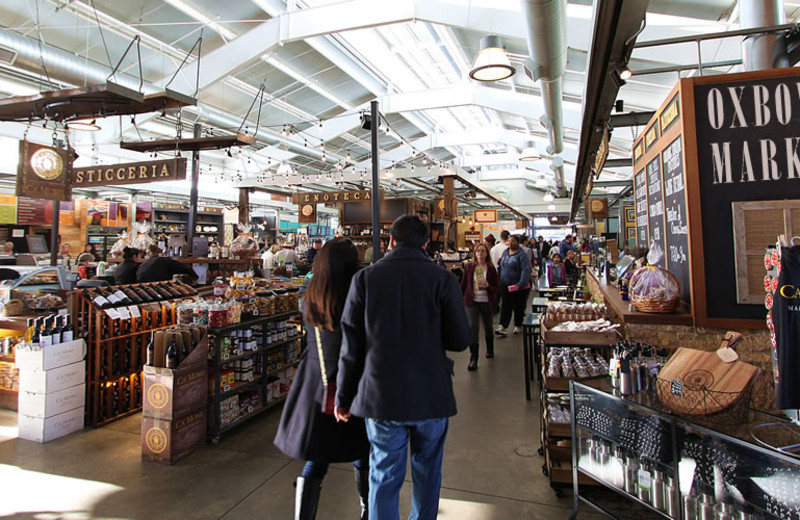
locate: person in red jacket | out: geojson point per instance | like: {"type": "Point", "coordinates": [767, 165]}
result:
{"type": "Point", "coordinates": [479, 285]}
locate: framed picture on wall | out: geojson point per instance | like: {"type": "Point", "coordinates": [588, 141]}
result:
{"type": "Point", "coordinates": [631, 232]}
{"type": "Point", "coordinates": [630, 215]}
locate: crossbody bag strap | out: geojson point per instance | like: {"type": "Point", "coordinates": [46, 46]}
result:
{"type": "Point", "coordinates": [321, 357]}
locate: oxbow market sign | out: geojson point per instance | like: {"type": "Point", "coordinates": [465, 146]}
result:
{"type": "Point", "coordinates": [130, 173]}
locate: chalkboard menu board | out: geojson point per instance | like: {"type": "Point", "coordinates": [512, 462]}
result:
{"type": "Point", "coordinates": [677, 230]}
{"type": "Point", "coordinates": [640, 198]}
{"type": "Point", "coordinates": [655, 207]}
{"type": "Point", "coordinates": [361, 212]}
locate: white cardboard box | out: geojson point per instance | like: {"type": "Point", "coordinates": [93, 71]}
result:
{"type": "Point", "coordinates": [44, 430]}
{"type": "Point", "coordinates": [53, 380]}
{"type": "Point", "coordinates": [50, 357]}
{"type": "Point", "coordinates": [55, 403]}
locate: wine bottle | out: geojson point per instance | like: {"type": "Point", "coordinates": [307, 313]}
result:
{"type": "Point", "coordinates": [46, 335]}
{"type": "Point", "coordinates": [184, 351]}
{"type": "Point", "coordinates": [154, 296]}
{"type": "Point", "coordinates": [142, 294]}
{"type": "Point", "coordinates": [35, 344]}
{"type": "Point", "coordinates": [132, 296]}
{"type": "Point", "coordinates": [56, 327]}
{"type": "Point", "coordinates": [67, 331]}
{"type": "Point", "coordinates": [29, 330]}
{"type": "Point", "coordinates": [97, 299]}
{"type": "Point", "coordinates": [170, 288]}
{"type": "Point", "coordinates": [110, 297]}
{"type": "Point", "coordinates": [151, 351]}
{"type": "Point", "coordinates": [122, 297]}
{"type": "Point", "coordinates": [172, 355]}
{"type": "Point", "coordinates": [165, 294]}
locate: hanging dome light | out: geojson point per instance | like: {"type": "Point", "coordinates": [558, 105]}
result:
{"type": "Point", "coordinates": [551, 207]}
{"type": "Point", "coordinates": [548, 197]}
{"type": "Point", "coordinates": [491, 63]}
{"type": "Point", "coordinates": [541, 182]}
{"type": "Point", "coordinates": [530, 153]}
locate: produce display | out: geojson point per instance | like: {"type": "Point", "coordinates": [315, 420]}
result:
{"type": "Point", "coordinates": [558, 312]}
{"type": "Point", "coordinates": [575, 363]}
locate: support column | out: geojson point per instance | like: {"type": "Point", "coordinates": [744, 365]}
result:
{"type": "Point", "coordinates": [450, 214]}
{"type": "Point", "coordinates": [193, 195]}
{"type": "Point", "coordinates": [376, 187]}
{"type": "Point", "coordinates": [244, 206]}
{"type": "Point", "coordinates": [54, 245]}
{"type": "Point", "coordinates": [762, 51]}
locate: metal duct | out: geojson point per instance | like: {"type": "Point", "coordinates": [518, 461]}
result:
{"type": "Point", "coordinates": [69, 68]}
{"type": "Point", "coordinates": [546, 27]}
{"type": "Point", "coordinates": [765, 50]}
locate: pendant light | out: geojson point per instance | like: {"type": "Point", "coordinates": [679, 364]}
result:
{"type": "Point", "coordinates": [530, 153]}
{"type": "Point", "coordinates": [551, 207]}
{"type": "Point", "coordinates": [548, 197]}
{"type": "Point", "coordinates": [491, 63]}
{"type": "Point", "coordinates": [88, 126]}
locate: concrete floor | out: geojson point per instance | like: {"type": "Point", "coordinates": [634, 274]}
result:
{"type": "Point", "coordinates": [491, 468]}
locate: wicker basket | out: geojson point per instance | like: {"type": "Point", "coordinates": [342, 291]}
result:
{"type": "Point", "coordinates": [653, 304]}
{"type": "Point", "coordinates": [13, 308]}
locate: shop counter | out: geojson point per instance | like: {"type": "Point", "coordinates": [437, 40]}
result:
{"type": "Point", "coordinates": [629, 315]}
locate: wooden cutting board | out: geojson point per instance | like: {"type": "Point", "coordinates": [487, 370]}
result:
{"type": "Point", "coordinates": [690, 378]}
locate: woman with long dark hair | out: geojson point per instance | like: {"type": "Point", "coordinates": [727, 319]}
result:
{"type": "Point", "coordinates": [125, 272]}
{"type": "Point", "coordinates": [305, 432]}
{"type": "Point", "coordinates": [479, 285]}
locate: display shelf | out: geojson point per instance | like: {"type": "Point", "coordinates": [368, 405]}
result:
{"type": "Point", "coordinates": [243, 418]}
{"type": "Point", "coordinates": [275, 401]}
{"type": "Point", "coordinates": [277, 371]}
{"type": "Point", "coordinates": [718, 462]}
{"type": "Point", "coordinates": [8, 391]}
{"type": "Point", "coordinates": [250, 323]}
{"type": "Point", "coordinates": [235, 388]}
{"type": "Point", "coordinates": [633, 498]}
{"type": "Point", "coordinates": [271, 346]}
{"type": "Point", "coordinates": [169, 222]}
{"type": "Point", "coordinates": [7, 359]}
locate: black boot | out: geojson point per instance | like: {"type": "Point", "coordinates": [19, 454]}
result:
{"type": "Point", "coordinates": [490, 347]}
{"type": "Point", "coordinates": [362, 485]}
{"type": "Point", "coordinates": [306, 498]}
{"type": "Point", "coordinates": [473, 358]}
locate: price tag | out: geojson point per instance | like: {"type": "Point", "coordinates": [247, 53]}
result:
{"type": "Point", "coordinates": [113, 314]}
{"type": "Point", "coordinates": [123, 313]}
{"type": "Point", "coordinates": [134, 310]}
{"type": "Point", "coordinates": [645, 479]}
{"type": "Point", "coordinates": [676, 387]}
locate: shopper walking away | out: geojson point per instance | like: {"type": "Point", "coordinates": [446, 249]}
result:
{"type": "Point", "coordinates": [305, 432]}
{"type": "Point", "coordinates": [479, 285]}
{"type": "Point", "coordinates": [402, 314]}
{"type": "Point", "coordinates": [497, 251]}
{"type": "Point", "coordinates": [159, 268]}
{"type": "Point", "coordinates": [125, 272]}
{"type": "Point", "coordinates": [515, 276]}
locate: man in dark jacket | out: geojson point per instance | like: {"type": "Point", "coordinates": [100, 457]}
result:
{"type": "Point", "coordinates": [402, 314]}
{"type": "Point", "coordinates": [162, 269]}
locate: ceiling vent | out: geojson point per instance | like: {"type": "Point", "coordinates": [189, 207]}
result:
{"type": "Point", "coordinates": [7, 56]}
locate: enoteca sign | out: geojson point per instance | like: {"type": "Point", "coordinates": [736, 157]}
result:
{"type": "Point", "coordinates": [130, 173]}
{"type": "Point", "coordinates": [323, 197]}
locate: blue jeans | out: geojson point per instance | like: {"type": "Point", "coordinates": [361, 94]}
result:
{"type": "Point", "coordinates": [318, 470]}
{"type": "Point", "coordinates": [387, 462]}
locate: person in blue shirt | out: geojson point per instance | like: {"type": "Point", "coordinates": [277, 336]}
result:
{"type": "Point", "coordinates": [515, 285]}
{"type": "Point", "coordinates": [566, 245]}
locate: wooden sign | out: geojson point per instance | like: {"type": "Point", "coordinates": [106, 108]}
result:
{"type": "Point", "coordinates": [333, 196]}
{"type": "Point", "coordinates": [670, 114]}
{"type": "Point", "coordinates": [130, 173]}
{"type": "Point", "coordinates": [638, 151]}
{"type": "Point", "coordinates": [44, 172]}
{"type": "Point", "coordinates": [651, 136]}
{"type": "Point", "coordinates": [597, 208]}
{"type": "Point", "coordinates": [484, 216]}
{"type": "Point", "coordinates": [306, 213]}
{"type": "Point", "coordinates": [602, 153]}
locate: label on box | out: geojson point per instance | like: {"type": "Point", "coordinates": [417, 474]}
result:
{"type": "Point", "coordinates": [48, 381]}
{"type": "Point", "coordinates": [169, 441]}
{"type": "Point", "coordinates": [47, 405]}
{"type": "Point", "coordinates": [51, 357]}
{"type": "Point", "coordinates": [676, 387]}
{"type": "Point", "coordinates": [44, 430]}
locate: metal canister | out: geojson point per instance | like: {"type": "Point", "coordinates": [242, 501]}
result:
{"type": "Point", "coordinates": [670, 498]}
{"type": "Point", "coordinates": [630, 467]}
{"type": "Point", "coordinates": [689, 507]}
{"type": "Point", "coordinates": [726, 511]}
{"type": "Point", "coordinates": [705, 507]}
{"type": "Point", "coordinates": [659, 501]}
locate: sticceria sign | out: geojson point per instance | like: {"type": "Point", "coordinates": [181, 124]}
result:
{"type": "Point", "coordinates": [130, 173]}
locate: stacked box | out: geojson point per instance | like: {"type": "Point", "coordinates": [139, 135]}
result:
{"type": "Point", "coordinates": [52, 390]}
{"type": "Point", "coordinates": [174, 406]}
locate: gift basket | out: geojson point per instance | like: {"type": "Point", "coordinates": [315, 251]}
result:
{"type": "Point", "coordinates": [653, 289]}
{"type": "Point", "coordinates": [244, 245]}
{"type": "Point", "coordinates": [123, 241]}
{"type": "Point", "coordinates": [143, 240]}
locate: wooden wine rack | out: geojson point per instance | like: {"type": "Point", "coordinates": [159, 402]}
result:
{"type": "Point", "coordinates": [116, 353]}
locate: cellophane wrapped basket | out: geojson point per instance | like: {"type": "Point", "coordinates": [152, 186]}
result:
{"type": "Point", "coordinates": [244, 245]}
{"type": "Point", "coordinates": [653, 289]}
{"type": "Point", "coordinates": [123, 241]}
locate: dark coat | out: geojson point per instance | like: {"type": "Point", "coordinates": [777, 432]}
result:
{"type": "Point", "coordinates": [125, 273]}
{"type": "Point", "coordinates": [304, 431]}
{"type": "Point", "coordinates": [468, 280]}
{"type": "Point", "coordinates": [402, 314]}
{"type": "Point", "coordinates": [162, 269]}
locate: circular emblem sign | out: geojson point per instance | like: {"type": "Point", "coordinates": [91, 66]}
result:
{"type": "Point", "coordinates": [308, 209]}
{"type": "Point", "coordinates": [157, 396]}
{"type": "Point", "coordinates": [156, 440]}
{"type": "Point", "coordinates": [47, 164]}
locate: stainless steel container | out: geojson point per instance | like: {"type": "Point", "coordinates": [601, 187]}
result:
{"type": "Point", "coordinates": [659, 501]}
{"type": "Point", "coordinates": [726, 511]}
{"type": "Point", "coordinates": [645, 484]}
{"type": "Point", "coordinates": [669, 498]}
{"type": "Point", "coordinates": [705, 507]}
{"type": "Point", "coordinates": [689, 507]}
{"type": "Point", "coordinates": [630, 467]}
